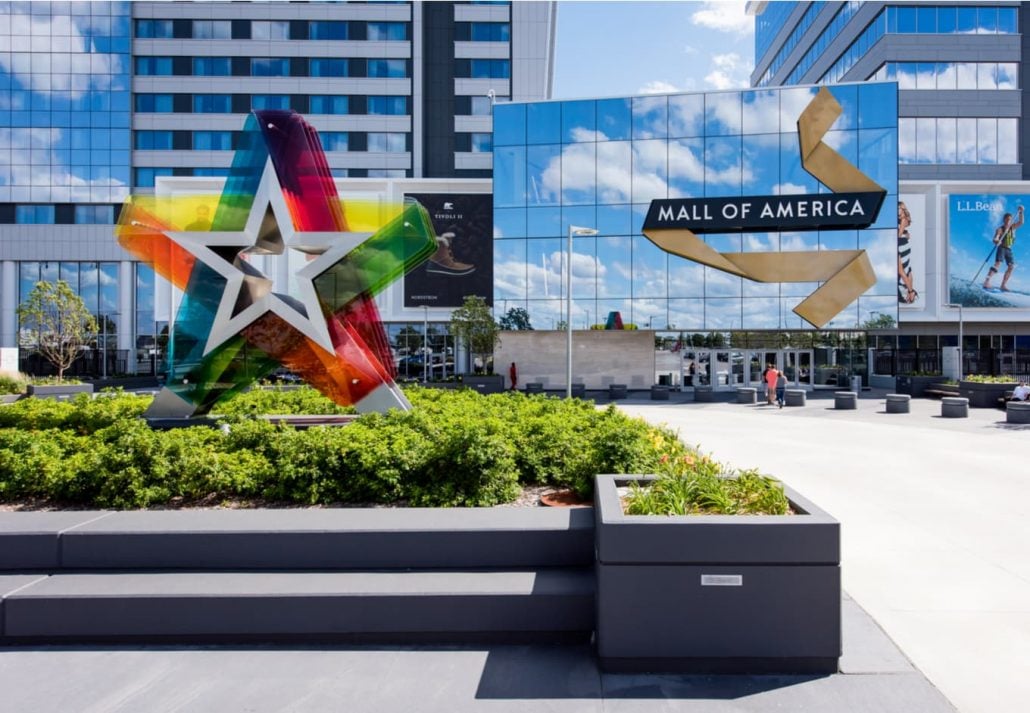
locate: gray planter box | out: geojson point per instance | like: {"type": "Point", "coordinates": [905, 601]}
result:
{"type": "Point", "coordinates": [704, 393]}
{"type": "Point", "coordinates": [617, 391]}
{"type": "Point", "coordinates": [534, 387]}
{"type": "Point", "coordinates": [916, 385]}
{"type": "Point", "coordinates": [984, 395]}
{"type": "Point", "coordinates": [754, 594]}
{"type": "Point", "coordinates": [56, 391]}
{"type": "Point", "coordinates": [493, 384]}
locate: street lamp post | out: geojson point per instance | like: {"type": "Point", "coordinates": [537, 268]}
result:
{"type": "Point", "coordinates": [573, 230]}
{"type": "Point", "coordinates": [961, 370]}
{"type": "Point", "coordinates": [425, 343]}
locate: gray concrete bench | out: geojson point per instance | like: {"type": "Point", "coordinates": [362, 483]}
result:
{"type": "Point", "coordinates": [616, 391]}
{"type": "Point", "coordinates": [794, 397]}
{"type": "Point", "coordinates": [898, 403]}
{"type": "Point", "coordinates": [1017, 412]}
{"type": "Point", "coordinates": [845, 400]}
{"type": "Point", "coordinates": [747, 395]}
{"type": "Point", "coordinates": [704, 393]}
{"type": "Point", "coordinates": [659, 393]}
{"type": "Point", "coordinates": [954, 407]}
{"type": "Point", "coordinates": [534, 387]}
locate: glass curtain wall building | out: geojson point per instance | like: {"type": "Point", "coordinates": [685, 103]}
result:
{"type": "Point", "coordinates": [961, 143]}
{"type": "Point", "coordinates": [599, 163]}
{"type": "Point", "coordinates": [107, 98]}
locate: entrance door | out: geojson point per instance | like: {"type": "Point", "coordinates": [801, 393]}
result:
{"type": "Point", "coordinates": [757, 362]}
{"type": "Point", "coordinates": [797, 367]}
{"type": "Point", "coordinates": [696, 363]}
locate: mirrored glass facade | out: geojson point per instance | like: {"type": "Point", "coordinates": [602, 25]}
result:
{"type": "Point", "coordinates": [599, 164]}
{"type": "Point", "coordinates": [64, 101]}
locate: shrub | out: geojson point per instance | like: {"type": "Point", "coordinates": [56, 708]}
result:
{"type": "Point", "coordinates": [988, 379]}
{"type": "Point", "coordinates": [11, 382]}
{"type": "Point", "coordinates": [279, 400]}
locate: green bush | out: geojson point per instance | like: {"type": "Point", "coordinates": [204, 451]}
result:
{"type": "Point", "coordinates": [453, 448]}
{"type": "Point", "coordinates": [13, 382]}
{"type": "Point", "coordinates": [987, 379]}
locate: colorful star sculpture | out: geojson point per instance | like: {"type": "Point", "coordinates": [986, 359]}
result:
{"type": "Point", "coordinates": [236, 324]}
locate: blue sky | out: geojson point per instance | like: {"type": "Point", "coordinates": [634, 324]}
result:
{"type": "Point", "coordinates": [623, 48]}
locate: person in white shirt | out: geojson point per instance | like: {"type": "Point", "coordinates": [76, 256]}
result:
{"type": "Point", "coordinates": [1021, 392]}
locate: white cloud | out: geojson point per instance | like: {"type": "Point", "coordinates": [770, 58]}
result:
{"type": "Point", "coordinates": [787, 189]}
{"type": "Point", "coordinates": [657, 86]}
{"type": "Point", "coordinates": [724, 16]}
{"type": "Point", "coordinates": [730, 71]}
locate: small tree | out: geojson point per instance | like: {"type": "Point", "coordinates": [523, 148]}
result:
{"type": "Point", "coordinates": [516, 319]}
{"type": "Point", "coordinates": [55, 322]}
{"type": "Point", "coordinates": [473, 324]}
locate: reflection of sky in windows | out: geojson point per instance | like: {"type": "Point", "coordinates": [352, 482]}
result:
{"type": "Point", "coordinates": [600, 163]}
{"type": "Point", "coordinates": [64, 102]}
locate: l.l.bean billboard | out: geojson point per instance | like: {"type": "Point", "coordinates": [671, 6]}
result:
{"type": "Point", "coordinates": [987, 253]}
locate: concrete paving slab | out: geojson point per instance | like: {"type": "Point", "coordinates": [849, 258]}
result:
{"type": "Point", "coordinates": [934, 523]}
{"type": "Point", "coordinates": [456, 679]}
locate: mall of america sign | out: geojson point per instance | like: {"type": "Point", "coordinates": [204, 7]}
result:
{"type": "Point", "coordinates": [674, 224]}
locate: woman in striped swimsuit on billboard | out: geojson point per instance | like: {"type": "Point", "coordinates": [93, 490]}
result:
{"type": "Point", "coordinates": [906, 289]}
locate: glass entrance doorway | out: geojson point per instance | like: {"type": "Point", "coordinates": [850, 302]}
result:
{"type": "Point", "coordinates": [729, 368]}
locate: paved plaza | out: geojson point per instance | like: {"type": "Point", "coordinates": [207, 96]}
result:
{"type": "Point", "coordinates": [935, 523]}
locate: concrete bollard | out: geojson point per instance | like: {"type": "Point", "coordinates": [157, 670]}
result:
{"type": "Point", "coordinates": [954, 407]}
{"type": "Point", "coordinates": [794, 397]}
{"type": "Point", "coordinates": [898, 403]}
{"type": "Point", "coordinates": [845, 400]}
{"type": "Point", "coordinates": [1017, 412]}
{"type": "Point", "coordinates": [747, 395]}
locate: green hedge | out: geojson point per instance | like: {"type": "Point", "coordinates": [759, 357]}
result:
{"type": "Point", "coordinates": [453, 448]}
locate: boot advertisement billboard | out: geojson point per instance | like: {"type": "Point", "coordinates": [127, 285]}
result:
{"type": "Point", "coordinates": [462, 264]}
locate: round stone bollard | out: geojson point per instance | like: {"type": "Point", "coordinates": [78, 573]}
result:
{"type": "Point", "coordinates": [898, 403]}
{"type": "Point", "coordinates": [659, 393]}
{"type": "Point", "coordinates": [704, 394]}
{"type": "Point", "coordinates": [534, 387]}
{"type": "Point", "coordinates": [845, 400]}
{"type": "Point", "coordinates": [1017, 412]}
{"type": "Point", "coordinates": [954, 407]}
{"type": "Point", "coordinates": [794, 397]}
{"type": "Point", "coordinates": [747, 395]}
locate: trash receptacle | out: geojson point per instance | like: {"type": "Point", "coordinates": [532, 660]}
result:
{"type": "Point", "coordinates": [856, 383]}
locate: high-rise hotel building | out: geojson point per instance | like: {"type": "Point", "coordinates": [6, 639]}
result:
{"type": "Point", "coordinates": [99, 100]}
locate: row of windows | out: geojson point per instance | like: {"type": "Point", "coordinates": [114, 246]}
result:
{"type": "Point", "coordinates": [216, 140]}
{"type": "Point", "coordinates": [474, 106]}
{"type": "Point", "coordinates": [96, 283]}
{"type": "Point", "coordinates": [154, 66]}
{"type": "Point", "coordinates": [791, 42]}
{"type": "Point", "coordinates": [828, 35]}
{"type": "Point", "coordinates": [243, 103]}
{"type": "Point", "coordinates": [958, 141]}
{"type": "Point", "coordinates": [950, 75]}
{"type": "Point", "coordinates": [482, 31]}
{"type": "Point", "coordinates": [474, 142]}
{"type": "Point", "coordinates": [145, 177]}
{"type": "Point", "coordinates": [769, 23]}
{"type": "Point", "coordinates": [48, 214]}
{"type": "Point", "coordinates": [921, 20]}
{"type": "Point", "coordinates": [272, 30]}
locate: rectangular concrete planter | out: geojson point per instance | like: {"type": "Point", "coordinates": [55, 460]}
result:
{"type": "Point", "coordinates": [712, 593]}
{"type": "Point", "coordinates": [916, 385]}
{"type": "Point", "coordinates": [53, 391]}
{"type": "Point", "coordinates": [484, 384]}
{"type": "Point", "coordinates": [982, 395]}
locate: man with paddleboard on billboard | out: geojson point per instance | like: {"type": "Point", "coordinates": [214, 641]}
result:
{"type": "Point", "coordinates": [1004, 238]}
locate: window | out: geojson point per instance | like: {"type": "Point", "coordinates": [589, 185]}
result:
{"type": "Point", "coordinates": [489, 69]}
{"type": "Point", "coordinates": [958, 141]}
{"type": "Point", "coordinates": [327, 30]}
{"type": "Point", "coordinates": [387, 173]}
{"type": "Point", "coordinates": [212, 104]}
{"type": "Point", "coordinates": [328, 104]}
{"type": "Point", "coordinates": [154, 66]}
{"type": "Point", "coordinates": [388, 105]}
{"type": "Point", "coordinates": [212, 140]}
{"type": "Point", "coordinates": [270, 67]}
{"type": "Point", "coordinates": [211, 172]}
{"type": "Point", "coordinates": [211, 67]}
{"type": "Point", "coordinates": [145, 176]}
{"type": "Point", "coordinates": [94, 215]}
{"type": "Point", "coordinates": [482, 143]}
{"type": "Point", "coordinates": [490, 32]}
{"type": "Point", "coordinates": [153, 140]}
{"type": "Point", "coordinates": [480, 106]}
{"type": "Point", "coordinates": [388, 31]}
{"type": "Point", "coordinates": [388, 68]}
{"type": "Point", "coordinates": [270, 30]}
{"type": "Point", "coordinates": [154, 29]}
{"type": "Point", "coordinates": [34, 214]}
{"type": "Point", "coordinates": [212, 29]}
{"type": "Point", "coordinates": [951, 75]}
{"type": "Point", "coordinates": [154, 103]}
{"type": "Point", "coordinates": [387, 142]}
{"type": "Point", "coordinates": [321, 67]}
{"type": "Point", "coordinates": [270, 101]}
{"type": "Point", "coordinates": [334, 140]}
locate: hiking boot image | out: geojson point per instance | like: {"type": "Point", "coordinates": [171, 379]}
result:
{"type": "Point", "coordinates": [442, 261]}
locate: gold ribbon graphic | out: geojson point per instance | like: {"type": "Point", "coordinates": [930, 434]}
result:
{"type": "Point", "coordinates": [845, 274]}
